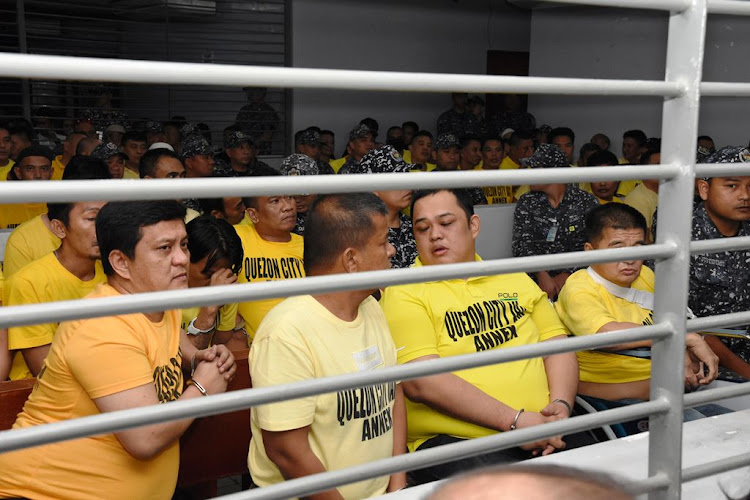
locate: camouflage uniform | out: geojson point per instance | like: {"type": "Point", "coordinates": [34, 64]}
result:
{"type": "Point", "coordinates": [222, 167]}
{"type": "Point", "coordinates": [255, 120]}
{"type": "Point", "coordinates": [453, 122]}
{"type": "Point", "coordinates": [540, 229]}
{"type": "Point", "coordinates": [351, 166]}
{"type": "Point", "coordinates": [402, 239]}
{"type": "Point", "coordinates": [720, 282]}
{"type": "Point", "coordinates": [299, 164]}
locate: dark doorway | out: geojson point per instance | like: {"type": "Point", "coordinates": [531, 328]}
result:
{"type": "Point", "coordinates": [501, 62]}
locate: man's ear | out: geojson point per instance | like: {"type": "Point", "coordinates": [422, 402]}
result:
{"type": "Point", "coordinates": [703, 187]}
{"type": "Point", "coordinates": [58, 228]}
{"type": "Point", "coordinates": [350, 260]}
{"type": "Point", "coordinates": [120, 263]}
{"type": "Point", "coordinates": [252, 213]}
{"type": "Point", "coordinates": [17, 171]}
{"type": "Point", "coordinates": [475, 224]}
{"type": "Point", "coordinates": [588, 246]}
{"type": "Point", "coordinates": [216, 214]}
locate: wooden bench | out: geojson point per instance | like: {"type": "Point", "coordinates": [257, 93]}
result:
{"type": "Point", "coordinates": [212, 448]}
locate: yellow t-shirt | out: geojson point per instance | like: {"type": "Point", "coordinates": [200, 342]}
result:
{"type": "Point", "coordinates": [57, 168]}
{"type": "Point", "coordinates": [645, 201]}
{"type": "Point", "coordinates": [498, 194]}
{"type": "Point", "coordinates": [302, 340]}
{"type": "Point", "coordinates": [225, 318]}
{"type": "Point", "coordinates": [584, 306]}
{"type": "Point", "coordinates": [15, 214]}
{"type": "Point", "coordinates": [5, 170]}
{"type": "Point", "coordinates": [266, 261]}
{"type": "Point", "coordinates": [44, 280]}
{"type": "Point", "coordinates": [337, 163]}
{"type": "Point", "coordinates": [627, 186]}
{"type": "Point", "coordinates": [129, 174]}
{"type": "Point", "coordinates": [407, 158]}
{"type": "Point", "coordinates": [454, 317]}
{"type": "Point", "coordinates": [90, 359]}
{"type": "Point", "coordinates": [28, 242]}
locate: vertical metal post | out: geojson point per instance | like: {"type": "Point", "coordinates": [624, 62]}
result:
{"type": "Point", "coordinates": [286, 142]}
{"type": "Point", "coordinates": [685, 49]}
{"type": "Point", "coordinates": [23, 49]}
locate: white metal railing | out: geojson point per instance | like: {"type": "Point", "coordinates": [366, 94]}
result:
{"type": "Point", "coordinates": [681, 91]}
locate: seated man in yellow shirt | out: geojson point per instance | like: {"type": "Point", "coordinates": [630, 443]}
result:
{"type": "Point", "coordinates": [272, 251]}
{"type": "Point", "coordinates": [329, 334]}
{"type": "Point", "coordinates": [68, 273]}
{"type": "Point", "coordinates": [493, 153]}
{"type": "Point", "coordinates": [6, 164]}
{"type": "Point", "coordinates": [419, 152]}
{"type": "Point", "coordinates": [120, 362]}
{"type": "Point", "coordinates": [454, 317]}
{"type": "Point", "coordinates": [36, 238]}
{"type": "Point", "coordinates": [616, 296]}
{"type": "Point", "coordinates": [32, 164]}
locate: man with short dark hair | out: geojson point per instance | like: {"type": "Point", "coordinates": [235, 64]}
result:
{"type": "Point", "coordinates": [601, 140]}
{"type": "Point", "coordinates": [550, 219]}
{"type": "Point", "coordinates": [6, 163]}
{"type": "Point", "coordinates": [520, 145]}
{"type": "Point", "coordinates": [134, 146]}
{"type": "Point", "coordinates": [272, 251]}
{"type": "Point", "coordinates": [454, 120]}
{"type": "Point", "coordinates": [361, 142]}
{"type": "Point", "coordinates": [32, 164]}
{"type": "Point", "coordinates": [720, 281]}
{"type": "Point", "coordinates": [420, 152]}
{"type": "Point", "coordinates": [115, 159]}
{"type": "Point", "coordinates": [470, 153]}
{"type": "Point", "coordinates": [119, 362]}
{"type": "Point", "coordinates": [21, 137]}
{"type": "Point", "coordinates": [446, 318]}
{"type": "Point", "coordinates": [493, 153]}
{"type": "Point", "coordinates": [394, 136]}
{"type": "Point", "coordinates": [161, 164]}
{"type": "Point", "coordinates": [231, 209]}
{"type": "Point", "coordinates": [327, 145]}
{"type": "Point", "coordinates": [87, 145]}
{"type": "Point", "coordinates": [410, 129]}
{"type": "Point", "coordinates": [633, 146]}
{"type": "Point", "coordinates": [605, 191]}
{"type": "Point", "coordinates": [328, 334]}
{"type": "Point", "coordinates": [563, 138]}
{"type": "Point", "coordinates": [241, 156]}
{"type": "Point", "coordinates": [307, 142]}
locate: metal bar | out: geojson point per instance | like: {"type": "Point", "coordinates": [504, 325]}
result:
{"type": "Point", "coordinates": [725, 89]}
{"type": "Point", "coordinates": [720, 244]}
{"type": "Point", "coordinates": [238, 400]}
{"type": "Point", "coordinates": [320, 482]}
{"type": "Point", "coordinates": [159, 301]}
{"type": "Point", "coordinates": [22, 47]}
{"type": "Point", "coordinates": [730, 7]}
{"type": "Point", "coordinates": [684, 64]}
{"type": "Point", "coordinates": [719, 321]}
{"type": "Point", "coordinates": [715, 467]}
{"type": "Point", "coordinates": [706, 170]}
{"type": "Point", "coordinates": [652, 483]}
{"type": "Point", "coordinates": [119, 70]}
{"type": "Point", "coordinates": [668, 5]}
{"type": "Point", "coordinates": [160, 189]}
{"type": "Point", "coordinates": [710, 395]}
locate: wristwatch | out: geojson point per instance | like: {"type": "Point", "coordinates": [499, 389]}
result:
{"type": "Point", "coordinates": [194, 330]}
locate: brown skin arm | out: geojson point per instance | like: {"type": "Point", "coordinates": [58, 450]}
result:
{"type": "Point", "coordinates": [291, 452]}
{"type": "Point", "coordinates": [727, 358]}
{"type": "Point", "coordinates": [34, 358]}
{"type": "Point", "coordinates": [6, 357]}
{"type": "Point", "coordinates": [398, 479]}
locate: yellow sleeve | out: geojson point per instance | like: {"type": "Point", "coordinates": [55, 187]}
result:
{"type": "Point", "coordinates": [411, 326]}
{"type": "Point", "coordinates": [546, 320]}
{"type": "Point", "coordinates": [583, 312]}
{"type": "Point", "coordinates": [227, 317]}
{"type": "Point", "coordinates": [106, 364]}
{"type": "Point", "coordinates": [19, 291]}
{"type": "Point", "coordinates": [275, 361]}
{"type": "Point", "coordinates": [15, 257]}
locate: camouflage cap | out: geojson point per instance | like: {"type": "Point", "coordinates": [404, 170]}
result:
{"type": "Point", "coordinates": [187, 130]}
{"type": "Point", "coordinates": [360, 130]}
{"type": "Point", "coordinates": [382, 160]}
{"type": "Point", "coordinates": [309, 136]}
{"type": "Point", "coordinates": [298, 164]}
{"type": "Point", "coordinates": [154, 127]}
{"type": "Point", "coordinates": [730, 154]}
{"type": "Point", "coordinates": [237, 138]}
{"type": "Point", "coordinates": [446, 141]}
{"type": "Point", "coordinates": [546, 156]}
{"type": "Point", "coordinates": [194, 145]}
{"type": "Point", "coordinates": [107, 150]}
{"type": "Point", "coordinates": [701, 154]}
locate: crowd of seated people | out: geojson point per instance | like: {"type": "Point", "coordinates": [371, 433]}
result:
{"type": "Point", "coordinates": [67, 251]}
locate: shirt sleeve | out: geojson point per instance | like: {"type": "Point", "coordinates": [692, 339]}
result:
{"type": "Point", "coordinates": [546, 320]}
{"type": "Point", "coordinates": [105, 364]}
{"type": "Point", "coordinates": [20, 291]}
{"type": "Point", "coordinates": [583, 312]}
{"type": "Point", "coordinates": [227, 317]}
{"type": "Point", "coordinates": [411, 325]}
{"type": "Point", "coordinates": [275, 361]}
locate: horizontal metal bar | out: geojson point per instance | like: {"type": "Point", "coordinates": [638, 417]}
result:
{"type": "Point", "coordinates": [641, 486]}
{"type": "Point", "coordinates": [711, 395]}
{"type": "Point", "coordinates": [121, 70]}
{"type": "Point", "coordinates": [730, 7]}
{"type": "Point", "coordinates": [320, 482]}
{"type": "Point", "coordinates": [725, 89]}
{"type": "Point", "coordinates": [720, 244]}
{"type": "Point", "coordinates": [715, 467]}
{"type": "Point", "coordinates": [718, 321]}
{"type": "Point", "coordinates": [215, 295]}
{"type": "Point", "coordinates": [703, 170]}
{"type": "Point", "coordinates": [668, 5]}
{"type": "Point", "coordinates": [161, 189]}
{"type": "Point", "coordinates": [247, 398]}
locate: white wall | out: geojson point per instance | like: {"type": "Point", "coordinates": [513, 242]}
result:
{"type": "Point", "coordinates": [397, 35]}
{"type": "Point", "coordinates": [629, 44]}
